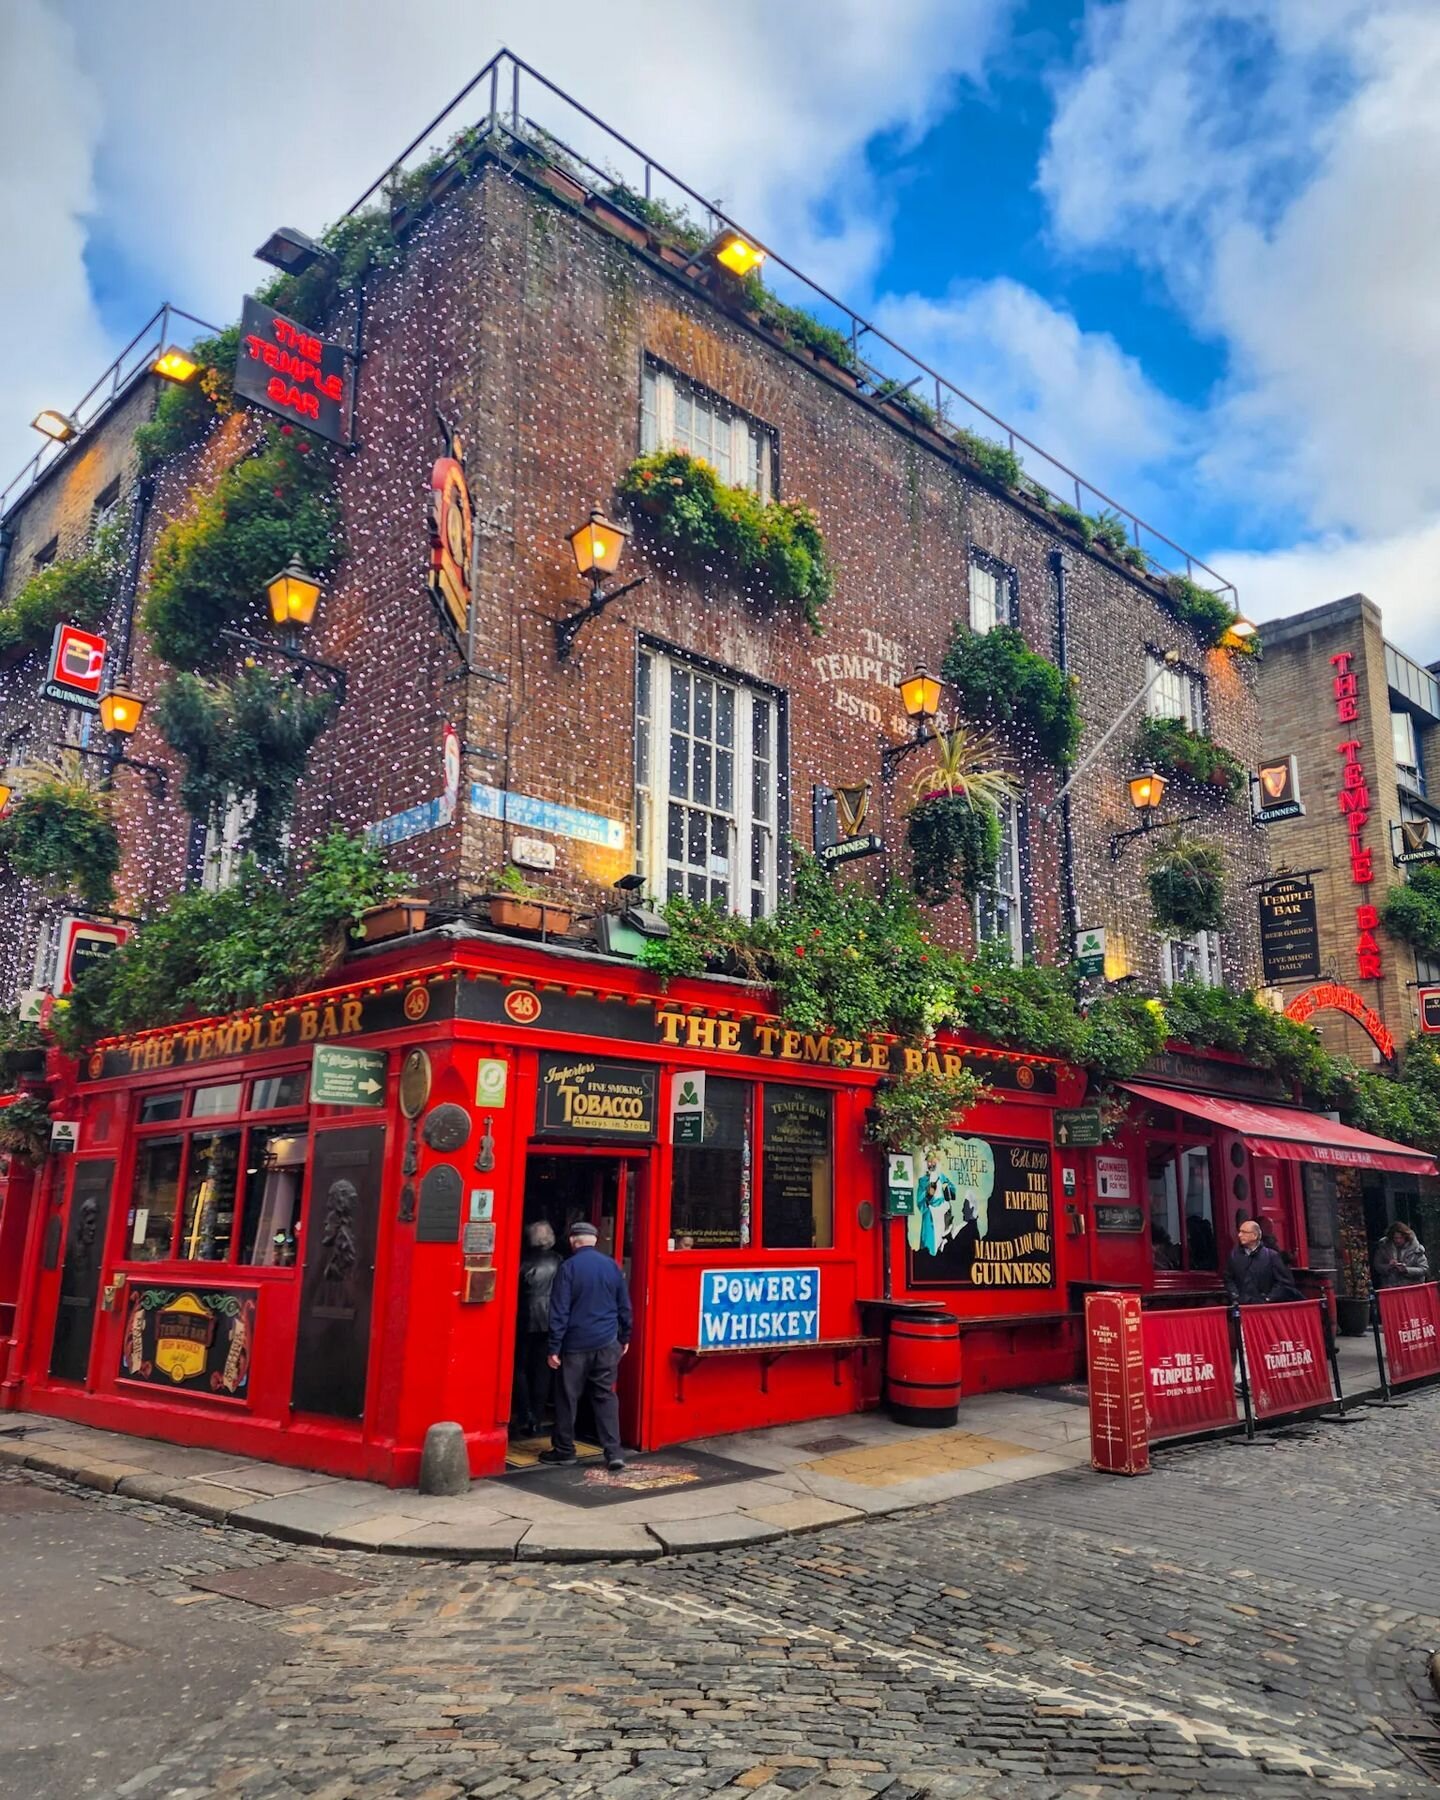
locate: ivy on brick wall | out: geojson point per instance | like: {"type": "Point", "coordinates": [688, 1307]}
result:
{"type": "Point", "coordinates": [1172, 748]}
{"type": "Point", "coordinates": [1411, 911]}
{"type": "Point", "coordinates": [74, 590]}
{"type": "Point", "coordinates": [1000, 681]}
{"type": "Point", "coordinates": [772, 548]}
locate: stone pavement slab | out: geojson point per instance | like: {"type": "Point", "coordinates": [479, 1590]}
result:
{"type": "Point", "coordinates": [803, 1481]}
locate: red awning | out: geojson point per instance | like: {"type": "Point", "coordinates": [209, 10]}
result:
{"type": "Point", "coordinates": [1289, 1134]}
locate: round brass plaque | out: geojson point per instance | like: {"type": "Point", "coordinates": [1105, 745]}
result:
{"type": "Point", "coordinates": [415, 1078]}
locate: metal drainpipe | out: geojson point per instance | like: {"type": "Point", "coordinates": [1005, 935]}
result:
{"type": "Point", "coordinates": [1060, 569]}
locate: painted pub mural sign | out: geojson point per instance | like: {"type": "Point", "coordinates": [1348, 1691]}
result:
{"type": "Point", "coordinates": [981, 1217]}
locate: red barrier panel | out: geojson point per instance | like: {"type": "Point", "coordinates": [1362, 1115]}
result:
{"type": "Point", "coordinates": [1115, 1356]}
{"type": "Point", "coordinates": [1189, 1382]}
{"type": "Point", "coordinates": [1410, 1327]}
{"type": "Point", "coordinates": [1285, 1357]}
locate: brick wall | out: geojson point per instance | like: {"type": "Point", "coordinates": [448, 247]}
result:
{"type": "Point", "coordinates": [1299, 709]}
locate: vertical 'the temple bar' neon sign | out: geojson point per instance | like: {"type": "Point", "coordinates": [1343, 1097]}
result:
{"type": "Point", "coordinates": [1354, 800]}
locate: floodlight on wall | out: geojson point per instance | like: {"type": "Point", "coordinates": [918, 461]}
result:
{"type": "Point", "coordinates": [176, 365]}
{"type": "Point", "coordinates": [292, 251]}
{"type": "Point", "coordinates": [735, 253]}
{"type": "Point", "coordinates": [54, 424]}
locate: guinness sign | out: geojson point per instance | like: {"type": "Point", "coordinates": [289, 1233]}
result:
{"type": "Point", "coordinates": [851, 811]}
{"type": "Point", "coordinates": [1275, 792]}
{"type": "Point", "coordinates": [1414, 841]}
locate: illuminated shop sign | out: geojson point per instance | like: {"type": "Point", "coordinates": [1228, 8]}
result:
{"type": "Point", "coordinates": [1354, 803]}
{"type": "Point", "coordinates": [288, 370]}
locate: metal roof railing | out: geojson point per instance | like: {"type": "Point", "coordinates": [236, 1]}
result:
{"type": "Point", "coordinates": [137, 356]}
{"type": "Point", "coordinates": [895, 371]}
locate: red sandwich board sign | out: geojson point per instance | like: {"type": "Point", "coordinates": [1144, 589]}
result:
{"type": "Point", "coordinates": [76, 668]}
{"type": "Point", "coordinates": [1115, 1357]}
{"type": "Point", "coordinates": [1410, 1330]}
{"type": "Point", "coordinates": [1189, 1385]}
{"type": "Point", "coordinates": [1285, 1357]}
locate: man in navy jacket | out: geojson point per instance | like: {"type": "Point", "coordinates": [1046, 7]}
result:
{"type": "Point", "coordinates": [1255, 1273]}
{"type": "Point", "coordinates": [590, 1325]}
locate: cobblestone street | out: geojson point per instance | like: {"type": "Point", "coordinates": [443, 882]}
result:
{"type": "Point", "coordinates": [1243, 1621]}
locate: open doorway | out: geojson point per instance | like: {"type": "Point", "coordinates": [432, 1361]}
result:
{"type": "Point", "coordinates": [560, 1187]}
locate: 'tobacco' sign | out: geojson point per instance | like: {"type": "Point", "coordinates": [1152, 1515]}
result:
{"type": "Point", "coordinates": [288, 370]}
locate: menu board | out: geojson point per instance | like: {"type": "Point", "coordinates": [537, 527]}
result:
{"type": "Point", "coordinates": [795, 1179]}
{"type": "Point", "coordinates": [982, 1216]}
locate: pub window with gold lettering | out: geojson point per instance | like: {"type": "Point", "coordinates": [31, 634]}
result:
{"type": "Point", "coordinates": [219, 1174]}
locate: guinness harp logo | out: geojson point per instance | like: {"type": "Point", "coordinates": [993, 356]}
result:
{"type": "Point", "coordinates": [1416, 833]}
{"type": "Point", "coordinates": [1275, 780]}
{"type": "Point", "coordinates": [852, 808]}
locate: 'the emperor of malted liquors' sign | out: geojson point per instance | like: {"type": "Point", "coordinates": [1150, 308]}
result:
{"type": "Point", "coordinates": [759, 1306]}
{"type": "Point", "coordinates": [580, 1097]}
{"type": "Point", "coordinates": [982, 1215]}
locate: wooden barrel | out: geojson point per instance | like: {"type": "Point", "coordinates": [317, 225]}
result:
{"type": "Point", "coordinates": [922, 1369]}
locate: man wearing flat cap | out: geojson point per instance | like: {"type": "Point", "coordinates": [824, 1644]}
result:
{"type": "Point", "coordinates": [590, 1324]}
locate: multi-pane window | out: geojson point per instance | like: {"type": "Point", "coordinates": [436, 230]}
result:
{"type": "Point", "coordinates": [1182, 1214]}
{"type": "Point", "coordinates": [997, 907]}
{"type": "Point", "coordinates": [1409, 764]}
{"type": "Point", "coordinates": [770, 1147]}
{"type": "Point", "coordinates": [706, 785]}
{"type": "Point", "coordinates": [994, 593]}
{"type": "Point", "coordinates": [1175, 693]}
{"type": "Point", "coordinates": [217, 1180]}
{"type": "Point", "coordinates": [675, 414]}
{"type": "Point", "coordinates": [225, 839]}
{"type": "Point", "coordinates": [1194, 958]}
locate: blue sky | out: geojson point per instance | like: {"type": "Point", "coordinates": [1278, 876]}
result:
{"type": "Point", "coordinates": [1192, 246]}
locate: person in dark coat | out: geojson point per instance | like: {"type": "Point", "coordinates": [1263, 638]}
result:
{"type": "Point", "coordinates": [539, 1265]}
{"type": "Point", "coordinates": [590, 1325]}
{"type": "Point", "coordinates": [1400, 1257]}
{"type": "Point", "coordinates": [1256, 1274]}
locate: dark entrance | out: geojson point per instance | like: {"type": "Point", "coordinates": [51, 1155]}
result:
{"type": "Point", "coordinates": [333, 1340]}
{"type": "Point", "coordinates": [560, 1187]}
{"type": "Point", "coordinates": [80, 1273]}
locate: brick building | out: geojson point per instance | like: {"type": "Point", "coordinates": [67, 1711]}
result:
{"type": "Point", "coordinates": [546, 326]}
{"type": "Point", "coordinates": [1341, 698]}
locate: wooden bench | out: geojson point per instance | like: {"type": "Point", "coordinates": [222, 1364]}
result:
{"type": "Point", "coordinates": [690, 1356]}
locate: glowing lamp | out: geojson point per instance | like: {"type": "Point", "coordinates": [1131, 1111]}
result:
{"type": "Point", "coordinates": [175, 365]}
{"type": "Point", "coordinates": [598, 545]}
{"type": "Point", "coordinates": [120, 710]}
{"type": "Point", "coordinates": [737, 254]}
{"type": "Point", "coordinates": [6, 790]}
{"type": "Point", "coordinates": [293, 594]}
{"type": "Point", "coordinates": [1241, 632]}
{"type": "Point", "coordinates": [920, 694]}
{"type": "Point", "coordinates": [1147, 790]}
{"type": "Point", "coordinates": [57, 425]}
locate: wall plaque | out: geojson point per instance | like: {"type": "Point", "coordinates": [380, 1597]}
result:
{"type": "Point", "coordinates": [438, 1221]}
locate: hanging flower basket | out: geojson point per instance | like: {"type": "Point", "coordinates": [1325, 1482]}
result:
{"type": "Point", "coordinates": [58, 833]}
{"type": "Point", "coordinates": [1186, 883]}
{"type": "Point", "coordinates": [954, 846]}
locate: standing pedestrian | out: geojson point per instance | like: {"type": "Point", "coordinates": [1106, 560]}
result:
{"type": "Point", "coordinates": [539, 1265]}
{"type": "Point", "coordinates": [590, 1325]}
{"type": "Point", "coordinates": [1400, 1257]}
{"type": "Point", "coordinates": [1255, 1273]}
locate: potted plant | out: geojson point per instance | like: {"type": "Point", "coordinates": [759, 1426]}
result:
{"type": "Point", "coordinates": [394, 918]}
{"type": "Point", "coordinates": [22, 1048]}
{"type": "Point", "coordinates": [916, 1112]}
{"type": "Point", "coordinates": [954, 826]}
{"type": "Point", "coordinates": [1352, 1270]}
{"type": "Point", "coordinates": [25, 1128]}
{"type": "Point", "coordinates": [58, 832]}
{"type": "Point", "coordinates": [518, 905]}
{"type": "Point", "coordinates": [1187, 891]}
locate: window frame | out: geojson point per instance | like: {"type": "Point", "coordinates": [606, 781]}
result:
{"type": "Point", "coordinates": [1176, 1142]}
{"type": "Point", "coordinates": [756, 1246]}
{"type": "Point", "coordinates": [655, 666]}
{"type": "Point", "coordinates": [1006, 580]}
{"type": "Point", "coordinates": [1209, 970]}
{"type": "Point", "coordinates": [990, 896]}
{"type": "Point", "coordinates": [1192, 702]}
{"type": "Point", "coordinates": [660, 386]}
{"type": "Point", "coordinates": [245, 1119]}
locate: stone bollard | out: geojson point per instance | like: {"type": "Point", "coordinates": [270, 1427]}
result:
{"type": "Point", "coordinates": [445, 1462]}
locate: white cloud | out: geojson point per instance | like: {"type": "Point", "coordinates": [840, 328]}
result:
{"type": "Point", "coordinates": [1400, 573]}
{"type": "Point", "coordinates": [266, 113]}
{"type": "Point", "coordinates": [50, 118]}
{"type": "Point", "coordinates": [1074, 392]}
{"type": "Point", "coordinates": [1279, 162]}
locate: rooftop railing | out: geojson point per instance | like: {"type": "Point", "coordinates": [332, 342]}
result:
{"type": "Point", "coordinates": [137, 356]}
{"type": "Point", "coordinates": [508, 85]}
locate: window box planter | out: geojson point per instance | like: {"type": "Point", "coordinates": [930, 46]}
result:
{"type": "Point", "coordinates": [562, 184]}
{"type": "Point", "coordinates": [620, 222]}
{"type": "Point", "coordinates": [510, 912]}
{"type": "Point", "coordinates": [396, 918]}
{"type": "Point", "coordinates": [16, 1065]}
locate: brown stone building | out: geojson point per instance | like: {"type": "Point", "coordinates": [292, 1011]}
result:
{"type": "Point", "coordinates": [1360, 717]}
{"type": "Point", "coordinates": [561, 333]}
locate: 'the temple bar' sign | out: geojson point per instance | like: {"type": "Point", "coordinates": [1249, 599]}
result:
{"type": "Point", "coordinates": [288, 370]}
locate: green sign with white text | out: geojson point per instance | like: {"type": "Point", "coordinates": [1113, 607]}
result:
{"type": "Point", "coordinates": [344, 1077]}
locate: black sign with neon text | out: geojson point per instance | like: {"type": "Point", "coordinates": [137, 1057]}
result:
{"type": "Point", "coordinates": [285, 368]}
